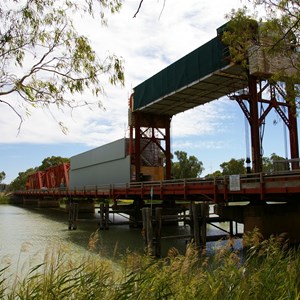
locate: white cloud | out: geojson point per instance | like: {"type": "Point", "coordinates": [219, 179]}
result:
{"type": "Point", "coordinates": [147, 43]}
{"type": "Point", "coordinates": [204, 120]}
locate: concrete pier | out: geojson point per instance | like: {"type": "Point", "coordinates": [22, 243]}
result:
{"type": "Point", "coordinates": [274, 219]}
{"type": "Point", "coordinates": [269, 218]}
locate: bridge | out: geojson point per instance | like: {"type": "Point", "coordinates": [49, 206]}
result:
{"type": "Point", "coordinates": [277, 187]}
{"type": "Point", "coordinates": [202, 76]}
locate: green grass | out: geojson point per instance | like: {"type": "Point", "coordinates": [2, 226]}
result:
{"type": "Point", "coordinates": [268, 271]}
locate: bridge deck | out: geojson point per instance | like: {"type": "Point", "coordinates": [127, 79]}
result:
{"type": "Point", "coordinates": [276, 187]}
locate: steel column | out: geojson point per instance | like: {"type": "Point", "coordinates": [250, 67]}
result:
{"type": "Point", "coordinates": [293, 131]}
{"type": "Point", "coordinates": [137, 145]}
{"type": "Point", "coordinates": [254, 126]}
{"type": "Point", "coordinates": [168, 149]}
{"type": "Point", "coordinates": [146, 129]}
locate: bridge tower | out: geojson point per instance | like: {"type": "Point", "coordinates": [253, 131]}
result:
{"type": "Point", "coordinates": [256, 102]}
{"type": "Point", "coordinates": [146, 129]}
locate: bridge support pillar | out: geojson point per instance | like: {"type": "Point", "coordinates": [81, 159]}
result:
{"type": "Point", "coordinates": [16, 200]}
{"type": "Point", "coordinates": [274, 219]}
{"type": "Point", "coordinates": [269, 219]}
{"type": "Point", "coordinates": [31, 202]}
{"type": "Point", "coordinates": [48, 203]}
{"type": "Point", "coordinates": [84, 206]}
{"type": "Point", "coordinates": [104, 215]}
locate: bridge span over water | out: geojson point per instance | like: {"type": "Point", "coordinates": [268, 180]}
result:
{"type": "Point", "coordinates": [202, 76]}
{"type": "Point", "coordinates": [277, 187]}
{"type": "Point", "coordinates": [269, 202]}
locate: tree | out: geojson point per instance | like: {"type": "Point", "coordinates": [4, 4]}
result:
{"type": "Point", "coordinates": [45, 61]}
{"type": "Point", "coordinates": [214, 174]}
{"type": "Point", "coordinates": [234, 166]}
{"type": "Point", "coordinates": [277, 36]}
{"type": "Point", "coordinates": [19, 183]}
{"type": "Point", "coordinates": [2, 176]}
{"type": "Point", "coordinates": [240, 33]}
{"type": "Point", "coordinates": [52, 161]}
{"type": "Point", "coordinates": [273, 163]}
{"type": "Point", "coordinates": [186, 167]}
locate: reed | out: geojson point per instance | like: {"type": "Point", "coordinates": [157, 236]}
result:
{"type": "Point", "coordinates": [268, 270]}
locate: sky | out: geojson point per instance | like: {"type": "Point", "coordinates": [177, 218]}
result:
{"type": "Point", "coordinates": [161, 33]}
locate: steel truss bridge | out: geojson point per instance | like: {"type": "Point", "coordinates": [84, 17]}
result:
{"type": "Point", "coordinates": [281, 186]}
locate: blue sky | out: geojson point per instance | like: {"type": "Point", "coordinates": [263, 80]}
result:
{"type": "Point", "coordinates": [214, 133]}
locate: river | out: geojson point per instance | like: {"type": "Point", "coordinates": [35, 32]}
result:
{"type": "Point", "coordinates": [28, 232]}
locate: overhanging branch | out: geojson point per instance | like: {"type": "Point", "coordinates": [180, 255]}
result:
{"type": "Point", "coordinates": [20, 117]}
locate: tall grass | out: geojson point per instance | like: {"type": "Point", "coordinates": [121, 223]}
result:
{"type": "Point", "coordinates": [268, 270]}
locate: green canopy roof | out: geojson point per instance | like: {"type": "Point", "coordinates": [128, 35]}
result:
{"type": "Point", "coordinates": [201, 76]}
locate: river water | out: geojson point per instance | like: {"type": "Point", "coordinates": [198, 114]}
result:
{"type": "Point", "coordinates": [27, 232]}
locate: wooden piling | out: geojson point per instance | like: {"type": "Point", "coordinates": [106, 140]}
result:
{"type": "Point", "coordinates": [144, 225]}
{"type": "Point", "coordinates": [148, 230]}
{"type": "Point", "coordinates": [199, 214]}
{"type": "Point", "coordinates": [104, 216]}
{"type": "Point", "coordinates": [101, 211]}
{"type": "Point", "coordinates": [204, 208]}
{"type": "Point", "coordinates": [158, 225]}
{"type": "Point", "coordinates": [196, 223]}
{"type": "Point", "coordinates": [73, 215]}
{"type": "Point", "coordinates": [231, 228]}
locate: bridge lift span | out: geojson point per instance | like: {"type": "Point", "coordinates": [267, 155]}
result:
{"type": "Point", "coordinates": [201, 76]}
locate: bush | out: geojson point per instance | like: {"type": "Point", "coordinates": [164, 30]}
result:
{"type": "Point", "coordinates": [4, 199]}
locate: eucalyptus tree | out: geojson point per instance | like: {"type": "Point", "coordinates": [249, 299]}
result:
{"type": "Point", "coordinates": [19, 183]}
{"type": "Point", "coordinates": [45, 61]}
{"type": "Point", "coordinates": [52, 161]}
{"type": "Point", "coordinates": [2, 176]}
{"type": "Point", "coordinates": [233, 166]}
{"type": "Point", "coordinates": [276, 35]}
{"type": "Point", "coordinates": [186, 166]}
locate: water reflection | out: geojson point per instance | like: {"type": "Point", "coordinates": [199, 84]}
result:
{"type": "Point", "coordinates": [29, 231]}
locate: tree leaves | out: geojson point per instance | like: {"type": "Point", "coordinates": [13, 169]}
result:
{"type": "Point", "coordinates": [44, 61]}
{"type": "Point", "coordinates": [186, 167]}
{"type": "Point", "coordinates": [234, 166]}
{"type": "Point", "coordinates": [2, 176]}
{"type": "Point", "coordinates": [276, 38]}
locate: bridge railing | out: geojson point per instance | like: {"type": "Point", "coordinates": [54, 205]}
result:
{"type": "Point", "coordinates": [214, 187]}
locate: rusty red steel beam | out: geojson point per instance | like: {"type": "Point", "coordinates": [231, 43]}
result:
{"type": "Point", "coordinates": [217, 189]}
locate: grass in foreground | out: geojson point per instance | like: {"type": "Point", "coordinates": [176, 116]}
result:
{"type": "Point", "coordinates": [267, 271]}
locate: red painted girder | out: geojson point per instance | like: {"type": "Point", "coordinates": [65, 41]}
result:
{"type": "Point", "coordinates": [217, 189]}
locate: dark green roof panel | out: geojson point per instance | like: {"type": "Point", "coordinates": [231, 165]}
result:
{"type": "Point", "coordinates": [199, 63]}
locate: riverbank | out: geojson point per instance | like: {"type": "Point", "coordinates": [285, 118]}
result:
{"type": "Point", "coordinates": [4, 199]}
{"type": "Point", "coordinates": [268, 271]}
